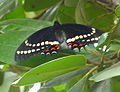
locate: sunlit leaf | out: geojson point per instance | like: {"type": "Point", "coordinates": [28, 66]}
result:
{"type": "Point", "coordinates": [6, 6]}
{"type": "Point", "coordinates": [117, 10]}
{"type": "Point", "coordinates": [52, 69]}
{"type": "Point", "coordinates": [107, 73]}
{"type": "Point", "coordinates": [66, 77]}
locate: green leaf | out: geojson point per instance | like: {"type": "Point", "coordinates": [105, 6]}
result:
{"type": "Point", "coordinates": [16, 13]}
{"type": "Point", "coordinates": [72, 82]}
{"type": "Point", "coordinates": [66, 14]}
{"type": "Point", "coordinates": [35, 5]}
{"type": "Point", "coordinates": [116, 84]}
{"type": "Point", "coordinates": [115, 47]}
{"type": "Point", "coordinates": [1, 78]}
{"type": "Point", "coordinates": [80, 15]}
{"type": "Point", "coordinates": [50, 13]}
{"type": "Point", "coordinates": [117, 10]}
{"type": "Point", "coordinates": [71, 3]}
{"type": "Point", "coordinates": [14, 89]}
{"type": "Point", "coordinates": [59, 88]}
{"type": "Point", "coordinates": [6, 6]}
{"type": "Point", "coordinates": [96, 16]}
{"type": "Point", "coordinates": [15, 32]}
{"type": "Point", "coordinates": [102, 39]}
{"type": "Point", "coordinates": [47, 90]}
{"type": "Point", "coordinates": [79, 86]}
{"type": "Point", "coordinates": [9, 77]}
{"type": "Point", "coordinates": [110, 72]}
{"type": "Point", "coordinates": [65, 77]}
{"type": "Point", "coordinates": [103, 86]}
{"type": "Point", "coordinates": [52, 69]}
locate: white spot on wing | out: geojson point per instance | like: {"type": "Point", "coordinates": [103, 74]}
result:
{"type": "Point", "coordinates": [46, 42]}
{"type": "Point", "coordinates": [38, 44]}
{"type": "Point", "coordinates": [21, 52]}
{"type": "Point", "coordinates": [55, 42]}
{"type": "Point", "coordinates": [84, 36]}
{"type": "Point", "coordinates": [83, 40]}
{"type": "Point", "coordinates": [33, 50]}
{"type": "Point", "coordinates": [81, 36]}
{"type": "Point", "coordinates": [42, 43]}
{"type": "Point", "coordinates": [88, 34]}
{"type": "Point", "coordinates": [18, 52]}
{"type": "Point", "coordinates": [37, 49]}
{"type": "Point", "coordinates": [42, 53]}
{"type": "Point", "coordinates": [42, 47]}
{"type": "Point", "coordinates": [76, 37]}
{"type": "Point", "coordinates": [92, 39]}
{"type": "Point", "coordinates": [25, 52]}
{"type": "Point", "coordinates": [30, 45]}
{"type": "Point", "coordinates": [69, 40]}
{"type": "Point", "coordinates": [29, 51]}
{"type": "Point", "coordinates": [96, 38]}
{"type": "Point", "coordinates": [26, 41]}
{"type": "Point", "coordinates": [47, 53]}
{"type": "Point", "coordinates": [53, 52]}
{"type": "Point", "coordinates": [93, 30]}
{"type": "Point", "coordinates": [34, 45]}
{"type": "Point", "coordinates": [88, 40]}
{"type": "Point", "coordinates": [73, 39]}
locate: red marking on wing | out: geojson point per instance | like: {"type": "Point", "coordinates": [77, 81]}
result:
{"type": "Point", "coordinates": [57, 45]}
{"type": "Point", "coordinates": [81, 44]}
{"type": "Point", "coordinates": [69, 43]}
{"type": "Point", "coordinates": [53, 49]}
{"type": "Point", "coordinates": [46, 50]}
{"type": "Point", "coordinates": [75, 45]}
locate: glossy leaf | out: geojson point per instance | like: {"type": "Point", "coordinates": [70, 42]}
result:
{"type": "Point", "coordinates": [103, 86]}
{"type": "Point", "coordinates": [46, 90]}
{"type": "Point", "coordinates": [71, 3]}
{"type": "Point", "coordinates": [66, 14]}
{"type": "Point", "coordinates": [35, 5]}
{"type": "Point", "coordinates": [97, 16]}
{"type": "Point", "coordinates": [79, 86]}
{"type": "Point", "coordinates": [107, 73]}
{"type": "Point", "coordinates": [80, 15]}
{"type": "Point", "coordinates": [115, 84]}
{"type": "Point", "coordinates": [16, 13]}
{"type": "Point", "coordinates": [50, 13]}
{"type": "Point", "coordinates": [6, 6]}
{"type": "Point", "coordinates": [66, 77]}
{"type": "Point", "coordinates": [115, 47]}
{"type": "Point", "coordinates": [52, 69]}
{"type": "Point", "coordinates": [117, 10]}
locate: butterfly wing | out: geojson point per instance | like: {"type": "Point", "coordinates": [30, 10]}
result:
{"type": "Point", "coordinates": [43, 41]}
{"type": "Point", "coordinates": [78, 35]}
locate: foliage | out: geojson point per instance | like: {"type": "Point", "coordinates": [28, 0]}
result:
{"type": "Point", "coordinates": [90, 70]}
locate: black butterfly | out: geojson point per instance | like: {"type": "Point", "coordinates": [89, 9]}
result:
{"type": "Point", "coordinates": [49, 39]}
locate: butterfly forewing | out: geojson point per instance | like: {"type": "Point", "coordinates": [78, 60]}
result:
{"type": "Point", "coordinates": [43, 41]}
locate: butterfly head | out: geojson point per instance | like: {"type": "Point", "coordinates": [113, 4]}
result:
{"type": "Point", "coordinates": [56, 24]}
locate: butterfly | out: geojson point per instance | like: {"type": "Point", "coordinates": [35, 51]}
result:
{"type": "Point", "coordinates": [48, 40]}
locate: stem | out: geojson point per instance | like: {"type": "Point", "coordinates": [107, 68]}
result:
{"type": "Point", "coordinates": [93, 69]}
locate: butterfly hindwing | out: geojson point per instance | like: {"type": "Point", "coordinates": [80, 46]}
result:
{"type": "Point", "coordinates": [43, 41]}
{"type": "Point", "coordinates": [78, 35]}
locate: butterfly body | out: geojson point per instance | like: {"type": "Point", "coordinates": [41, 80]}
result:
{"type": "Point", "coordinates": [48, 40]}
